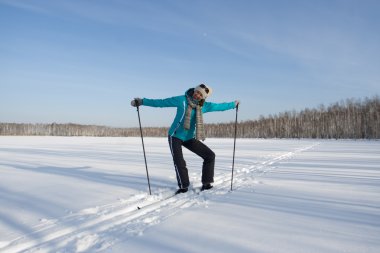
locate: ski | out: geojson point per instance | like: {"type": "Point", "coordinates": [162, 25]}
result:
{"type": "Point", "coordinates": [139, 207]}
{"type": "Point", "coordinates": [169, 197]}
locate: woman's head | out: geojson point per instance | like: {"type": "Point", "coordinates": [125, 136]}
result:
{"type": "Point", "coordinates": [202, 92]}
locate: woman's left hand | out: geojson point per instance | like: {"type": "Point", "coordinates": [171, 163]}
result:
{"type": "Point", "coordinates": [237, 103]}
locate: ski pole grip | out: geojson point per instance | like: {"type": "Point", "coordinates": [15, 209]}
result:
{"type": "Point", "coordinates": [138, 102]}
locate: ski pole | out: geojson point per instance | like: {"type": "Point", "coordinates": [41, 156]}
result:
{"type": "Point", "coordinates": [233, 156]}
{"type": "Point", "coordinates": [142, 140]}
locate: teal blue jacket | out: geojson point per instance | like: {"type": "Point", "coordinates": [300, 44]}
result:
{"type": "Point", "coordinates": [177, 129]}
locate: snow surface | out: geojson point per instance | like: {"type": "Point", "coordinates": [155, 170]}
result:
{"type": "Point", "coordinates": [80, 194]}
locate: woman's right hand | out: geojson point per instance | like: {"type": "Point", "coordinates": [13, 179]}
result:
{"type": "Point", "coordinates": [136, 102]}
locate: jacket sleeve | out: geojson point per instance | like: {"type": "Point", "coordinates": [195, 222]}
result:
{"type": "Point", "coordinates": [167, 102]}
{"type": "Point", "coordinates": [212, 107]}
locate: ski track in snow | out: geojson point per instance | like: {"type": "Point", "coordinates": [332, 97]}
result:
{"type": "Point", "coordinates": [97, 228]}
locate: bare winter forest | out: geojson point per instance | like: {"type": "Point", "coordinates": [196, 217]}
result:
{"type": "Point", "coordinates": [349, 119]}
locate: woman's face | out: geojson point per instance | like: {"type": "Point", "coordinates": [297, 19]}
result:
{"type": "Point", "coordinates": [197, 95]}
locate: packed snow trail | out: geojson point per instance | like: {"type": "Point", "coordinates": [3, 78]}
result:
{"type": "Point", "coordinates": [96, 229]}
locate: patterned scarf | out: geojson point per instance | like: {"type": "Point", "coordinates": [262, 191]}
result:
{"type": "Point", "coordinates": [200, 133]}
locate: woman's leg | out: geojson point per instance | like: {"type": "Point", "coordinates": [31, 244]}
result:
{"type": "Point", "coordinates": [208, 156]}
{"type": "Point", "coordinates": [179, 163]}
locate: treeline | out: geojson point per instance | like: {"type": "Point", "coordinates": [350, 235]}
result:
{"type": "Point", "coordinates": [71, 129]}
{"type": "Point", "coordinates": [349, 119]}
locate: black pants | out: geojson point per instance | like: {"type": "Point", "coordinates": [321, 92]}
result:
{"type": "Point", "coordinates": [198, 148]}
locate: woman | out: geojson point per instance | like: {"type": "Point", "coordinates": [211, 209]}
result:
{"type": "Point", "coordinates": [187, 130]}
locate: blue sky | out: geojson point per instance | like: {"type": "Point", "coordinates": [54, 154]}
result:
{"type": "Point", "coordinates": [83, 61]}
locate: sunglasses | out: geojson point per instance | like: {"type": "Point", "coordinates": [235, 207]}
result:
{"type": "Point", "coordinates": [204, 87]}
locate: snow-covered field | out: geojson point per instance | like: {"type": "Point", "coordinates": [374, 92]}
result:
{"type": "Point", "coordinates": [73, 194]}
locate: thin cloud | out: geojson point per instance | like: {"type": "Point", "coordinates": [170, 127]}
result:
{"type": "Point", "coordinates": [24, 5]}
